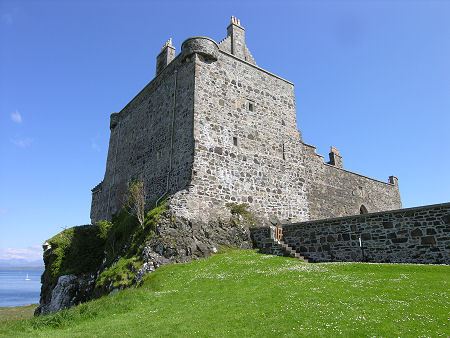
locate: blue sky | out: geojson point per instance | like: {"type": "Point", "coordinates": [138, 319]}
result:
{"type": "Point", "coordinates": [372, 78]}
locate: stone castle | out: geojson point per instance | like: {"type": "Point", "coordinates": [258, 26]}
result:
{"type": "Point", "coordinates": [212, 128]}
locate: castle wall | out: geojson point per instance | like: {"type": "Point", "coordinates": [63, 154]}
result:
{"type": "Point", "coordinates": [336, 192]}
{"type": "Point", "coordinates": [414, 235]}
{"type": "Point", "coordinates": [248, 150]}
{"type": "Point", "coordinates": [140, 141]}
{"type": "Point", "coordinates": [247, 146]}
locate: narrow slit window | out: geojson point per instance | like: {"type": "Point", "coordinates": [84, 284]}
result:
{"type": "Point", "coordinates": [251, 106]}
{"type": "Point", "coordinates": [158, 154]}
{"type": "Point", "coordinates": [235, 141]}
{"type": "Point", "coordinates": [282, 147]}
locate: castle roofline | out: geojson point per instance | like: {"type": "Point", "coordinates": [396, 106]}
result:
{"type": "Point", "coordinates": [220, 51]}
{"type": "Point", "coordinates": [314, 148]}
{"type": "Point", "coordinates": [257, 67]}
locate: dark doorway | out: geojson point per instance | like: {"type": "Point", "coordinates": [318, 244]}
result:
{"type": "Point", "coordinates": [363, 209]}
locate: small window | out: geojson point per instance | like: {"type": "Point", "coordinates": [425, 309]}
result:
{"type": "Point", "coordinates": [251, 106]}
{"type": "Point", "coordinates": [158, 154]}
{"type": "Point", "coordinates": [282, 147]}
{"type": "Point", "coordinates": [235, 141]}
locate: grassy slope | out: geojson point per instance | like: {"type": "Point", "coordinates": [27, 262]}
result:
{"type": "Point", "coordinates": [247, 294]}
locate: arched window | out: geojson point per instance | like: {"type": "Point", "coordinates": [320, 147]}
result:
{"type": "Point", "coordinates": [363, 209]}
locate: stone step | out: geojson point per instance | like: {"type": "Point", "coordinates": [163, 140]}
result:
{"type": "Point", "coordinates": [292, 253]}
{"type": "Point", "coordinates": [269, 245]}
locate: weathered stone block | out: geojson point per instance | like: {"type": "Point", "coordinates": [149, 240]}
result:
{"type": "Point", "coordinates": [416, 233]}
{"type": "Point", "coordinates": [399, 240]}
{"type": "Point", "coordinates": [428, 240]}
{"type": "Point", "coordinates": [392, 235]}
{"type": "Point", "coordinates": [388, 225]}
{"type": "Point", "coordinates": [446, 219]}
{"type": "Point", "coordinates": [431, 231]}
{"type": "Point", "coordinates": [366, 236]}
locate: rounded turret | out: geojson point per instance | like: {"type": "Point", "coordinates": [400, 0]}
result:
{"type": "Point", "coordinates": [206, 47]}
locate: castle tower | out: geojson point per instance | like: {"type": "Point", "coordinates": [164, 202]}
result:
{"type": "Point", "coordinates": [165, 57]}
{"type": "Point", "coordinates": [214, 128]}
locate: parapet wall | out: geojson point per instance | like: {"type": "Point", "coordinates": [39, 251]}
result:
{"type": "Point", "coordinates": [336, 192]}
{"type": "Point", "coordinates": [414, 235]}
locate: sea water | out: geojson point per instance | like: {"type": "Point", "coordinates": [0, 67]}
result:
{"type": "Point", "coordinates": [15, 290]}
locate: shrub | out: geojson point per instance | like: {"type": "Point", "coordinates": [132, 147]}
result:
{"type": "Point", "coordinates": [241, 210]}
{"type": "Point", "coordinates": [103, 228]}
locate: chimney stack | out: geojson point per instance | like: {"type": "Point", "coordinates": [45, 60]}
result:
{"type": "Point", "coordinates": [165, 57]}
{"type": "Point", "coordinates": [237, 33]}
{"type": "Point", "coordinates": [335, 158]}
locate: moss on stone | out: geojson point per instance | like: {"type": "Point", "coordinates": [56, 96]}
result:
{"type": "Point", "coordinates": [77, 250]}
{"type": "Point", "coordinates": [118, 276]}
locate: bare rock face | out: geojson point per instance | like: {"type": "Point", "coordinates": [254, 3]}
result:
{"type": "Point", "coordinates": [68, 291]}
{"type": "Point", "coordinates": [180, 240]}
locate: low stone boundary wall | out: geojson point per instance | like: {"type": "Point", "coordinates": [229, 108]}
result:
{"type": "Point", "coordinates": [414, 235]}
{"type": "Point", "coordinates": [260, 234]}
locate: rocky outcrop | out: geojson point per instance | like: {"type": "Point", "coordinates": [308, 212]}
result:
{"type": "Point", "coordinates": [68, 291]}
{"type": "Point", "coordinates": [180, 240]}
{"type": "Point", "coordinates": [174, 240]}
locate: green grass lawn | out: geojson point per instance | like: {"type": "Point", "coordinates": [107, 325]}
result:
{"type": "Point", "coordinates": [243, 293]}
{"type": "Point", "coordinates": [17, 312]}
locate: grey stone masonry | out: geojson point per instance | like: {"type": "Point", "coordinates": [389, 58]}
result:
{"type": "Point", "coordinates": [335, 192]}
{"type": "Point", "coordinates": [213, 128]}
{"type": "Point", "coordinates": [413, 235]}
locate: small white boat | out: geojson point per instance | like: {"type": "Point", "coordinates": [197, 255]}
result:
{"type": "Point", "coordinates": [27, 278]}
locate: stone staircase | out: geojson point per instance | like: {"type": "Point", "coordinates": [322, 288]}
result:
{"type": "Point", "coordinates": [279, 248]}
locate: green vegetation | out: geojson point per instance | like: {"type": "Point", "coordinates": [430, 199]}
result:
{"type": "Point", "coordinates": [119, 276]}
{"type": "Point", "coordinates": [75, 251]}
{"type": "Point", "coordinates": [113, 247]}
{"type": "Point", "coordinates": [243, 211]}
{"type": "Point", "coordinates": [17, 312]}
{"type": "Point", "coordinates": [124, 237]}
{"type": "Point", "coordinates": [243, 293]}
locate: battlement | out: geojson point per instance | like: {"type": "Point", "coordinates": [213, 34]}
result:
{"type": "Point", "coordinates": [206, 47]}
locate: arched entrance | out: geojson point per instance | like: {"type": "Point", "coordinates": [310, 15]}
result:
{"type": "Point", "coordinates": [363, 209]}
